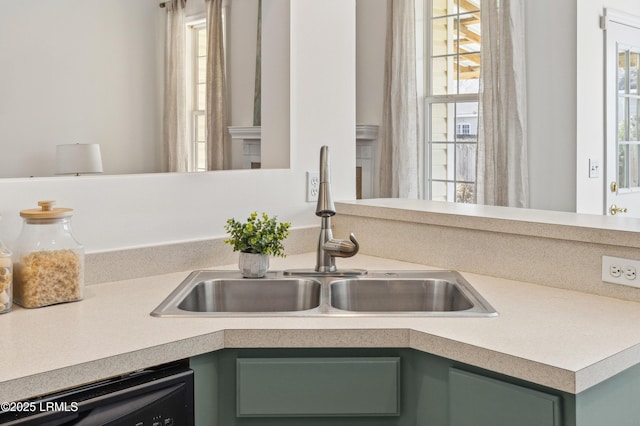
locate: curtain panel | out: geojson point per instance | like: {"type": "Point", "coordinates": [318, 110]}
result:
{"type": "Point", "coordinates": [502, 165]}
{"type": "Point", "coordinates": [398, 149]}
{"type": "Point", "coordinates": [218, 139]}
{"type": "Point", "coordinates": [174, 129]}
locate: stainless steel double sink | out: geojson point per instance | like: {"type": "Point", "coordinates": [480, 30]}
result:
{"type": "Point", "coordinates": [209, 293]}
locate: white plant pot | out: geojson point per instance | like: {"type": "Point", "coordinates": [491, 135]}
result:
{"type": "Point", "coordinates": [253, 265]}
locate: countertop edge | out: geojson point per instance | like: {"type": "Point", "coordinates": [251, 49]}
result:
{"type": "Point", "coordinates": [607, 368]}
{"type": "Point", "coordinates": [108, 367]}
{"type": "Point", "coordinates": [112, 366]}
{"type": "Point", "coordinates": [520, 368]}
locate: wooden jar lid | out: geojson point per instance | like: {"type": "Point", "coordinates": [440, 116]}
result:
{"type": "Point", "coordinates": [46, 211]}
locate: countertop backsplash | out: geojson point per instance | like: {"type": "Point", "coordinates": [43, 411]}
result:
{"type": "Point", "coordinates": [556, 249]}
{"type": "Point", "coordinates": [139, 262]}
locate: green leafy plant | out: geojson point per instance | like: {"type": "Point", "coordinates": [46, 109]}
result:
{"type": "Point", "coordinates": [259, 234]}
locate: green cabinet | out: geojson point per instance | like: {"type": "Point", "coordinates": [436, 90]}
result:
{"type": "Point", "coordinates": [318, 387]}
{"type": "Point", "coordinates": [391, 387]}
{"type": "Point", "coordinates": [293, 387]}
{"type": "Point", "coordinates": [476, 400]}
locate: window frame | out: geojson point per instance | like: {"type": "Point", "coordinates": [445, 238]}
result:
{"type": "Point", "coordinates": [431, 99]}
{"type": "Point", "coordinates": [192, 63]}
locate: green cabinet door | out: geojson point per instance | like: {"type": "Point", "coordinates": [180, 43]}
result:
{"type": "Point", "coordinates": [476, 400]}
{"type": "Point", "coordinates": [317, 387]}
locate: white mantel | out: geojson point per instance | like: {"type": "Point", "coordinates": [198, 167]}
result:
{"type": "Point", "coordinates": [246, 146]}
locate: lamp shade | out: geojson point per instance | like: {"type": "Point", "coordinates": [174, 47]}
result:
{"type": "Point", "coordinates": [79, 158]}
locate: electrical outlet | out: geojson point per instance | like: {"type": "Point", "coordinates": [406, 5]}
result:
{"type": "Point", "coordinates": [615, 270]}
{"type": "Point", "coordinates": [620, 271]}
{"type": "Point", "coordinates": [313, 186]}
{"type": "Point", "coordinates": [630, 273]}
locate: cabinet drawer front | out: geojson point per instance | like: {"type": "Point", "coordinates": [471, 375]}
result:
{"type": "Point", "coordinates": [305, 387]}
{"type": "Point", "coordinates": [480, 401]}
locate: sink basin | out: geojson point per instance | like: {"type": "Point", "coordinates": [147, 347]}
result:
{"type": "Point", "coordinates": [238, 295]}
{"type": "Point", "coordinates": [398, 295]}
{"type": "Point", "coordinates": [408, 293]}
{"type": "Point", "coordinates": [378, 293]}
{"type": "Point", "coordinates": [215, 293]}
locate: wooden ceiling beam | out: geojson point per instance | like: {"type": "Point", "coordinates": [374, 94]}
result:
{"type": "Point", "coordinates": [468, 68]}
{"type": "Point", "coordinates": [468, 6]}
{"type": "Point", "coordinates": [470, 35]}
{"type": "Point", "coordinates": [472, 57]}
{"type": "Point", "coordinates": [463, 42]}
{"type": "Point", "coordinates": [467, 73]}
{"type": "Point", "coordinates": [474, 19]}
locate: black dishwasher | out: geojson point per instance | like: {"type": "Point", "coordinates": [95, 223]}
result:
{"type": "Point", "coordinates": [159, 396]}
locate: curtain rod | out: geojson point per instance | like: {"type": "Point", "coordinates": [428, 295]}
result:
{"type": "Point", "coordinates": [164, 3]}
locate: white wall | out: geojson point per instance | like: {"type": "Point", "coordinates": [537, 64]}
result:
{"type": "Point", "coordinates": [371, 22]}
{"type": "Point", "coordinates": [113, 212]}
{"type": "Point", "coordinates": [78, 72]}
{"type": "Point", "coordinates": [243, 15]}
{"type": "Point", "coordinates": [276, 81]}
{"type": "Point", "coordinates": [551, 90]}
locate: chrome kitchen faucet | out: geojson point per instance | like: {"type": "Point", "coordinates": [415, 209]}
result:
{"type": "Point", "coordinates": [328, 247]}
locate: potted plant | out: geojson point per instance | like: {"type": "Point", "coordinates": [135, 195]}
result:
{"type": "Point", "coordinates": [256, 239]}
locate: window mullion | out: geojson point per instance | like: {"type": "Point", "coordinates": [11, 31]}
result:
{"type": "Point", "coordinates": [464, 97]}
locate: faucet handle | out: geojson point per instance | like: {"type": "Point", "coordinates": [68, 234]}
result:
{"type": "Point", "coordinates": [342, 248]}
{"type": "Point", "coordinates": [355, 242]}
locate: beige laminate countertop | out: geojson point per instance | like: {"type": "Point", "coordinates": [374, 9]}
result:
{"type": "Point", "coordinates": [558, 338]}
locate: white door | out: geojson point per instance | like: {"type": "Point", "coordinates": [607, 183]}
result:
{"type": "Point", "coordinates": [622, 58]}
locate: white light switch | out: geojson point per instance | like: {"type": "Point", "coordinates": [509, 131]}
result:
{"type": "Point", "coordinates": [594, 168]}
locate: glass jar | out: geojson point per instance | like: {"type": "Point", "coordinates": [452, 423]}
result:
{"type": "Point", "coordinates": [6, 279]}
{"type": "Point", "coordinates": [49, 261]}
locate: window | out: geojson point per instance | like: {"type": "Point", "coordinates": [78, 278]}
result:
{"type": "Point", "coordinates": [628, 113]}
{"type": "Point", "coordinates": [463, 129]}
{"type": "Point", "coordinates": [196, 97]}
{"type": "Point", "coordinates": [452, 45]}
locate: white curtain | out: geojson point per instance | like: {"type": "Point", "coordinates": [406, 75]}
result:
{"type": "Point", "coordinates": [174, 129]}
{"type": "Point", "coordinates": [218, 140]}
{"type": "Point", "coordinates": [502, 167]}
{"type": "Point", "coordinates": [398, 148]}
